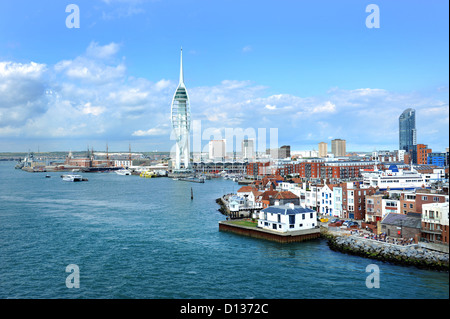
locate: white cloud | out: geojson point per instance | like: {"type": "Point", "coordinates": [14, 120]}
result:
{"type": "Point", "coordinates": [151, 132]}
{"type": "Point", "coordinates": [247, 48]}
{"type": "Point", "coordinates": [90, 97]}
{"type": "Point", "coordinates": [102, 52]}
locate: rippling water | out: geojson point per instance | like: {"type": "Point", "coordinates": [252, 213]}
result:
{"type": "Point", "coordinates": [146, 238]}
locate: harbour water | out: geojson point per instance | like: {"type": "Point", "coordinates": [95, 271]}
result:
{"type": "Point", "coordinates": [145, 238]}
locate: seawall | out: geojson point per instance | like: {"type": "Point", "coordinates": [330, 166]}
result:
{"type": "Point", "coordinates": [411, 255]}
{"type": "Point", "coordinates": [288, 237]}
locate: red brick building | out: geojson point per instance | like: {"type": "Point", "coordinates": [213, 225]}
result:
{"type": "Point", "coordinates": [424, 196]}
{"type": "Point", "coordinates": [422, 153]}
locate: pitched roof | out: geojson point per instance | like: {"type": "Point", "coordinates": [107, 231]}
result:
{"type": "Point", "coordinates": [285, 195]}
{"type": "Point", "coordinates": [402, 220]}
{"type": "Point", "coordinates": [268, 194]}
{"type": "Point", "coordinates": [246, 189]}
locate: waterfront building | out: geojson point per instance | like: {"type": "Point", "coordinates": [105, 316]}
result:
{"type": "Point", "coordinates": [330, 200]}
{"type": "Point", "coordinates": [374, 207]}
{"type": "Point", "coordinates": [181, 122]}
{"type": "Point", "coordinates": [286, 218]}
{"type": "Point", "coordinates": [402, 226]}
{"type": "Point", "coordinates": [217, 149]}
{"type": "Point", "coordinates": [354, 199]}
{"type": "Point", "coordinates": [428, 196]}
{"type": "Point", "coordinates": [407, 132]}
{"type": "Point", "coordinates": [435, 222]}
{"type": "Point", "coordinates": [390, 205]}
{"type": "Point", "coordinates": [323, 149]}
{"type": "Point", "coordinates": [338, 147]}
{"type": "Point", "coordinates": [407, 202]}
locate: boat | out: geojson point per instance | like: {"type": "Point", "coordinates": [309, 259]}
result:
{"type": "Point", "coordinates": [123, 171]}
{"type": "Point", "coordinates": [148, 174]}
{"type": "Point", "coordinates": [47, 176]}
{"type": "Point", "coordinates": [73, 178]}
{"type": "Point", "coordinates": [393, 179]}
{"type": "Point", "coordinates": [193, 179]}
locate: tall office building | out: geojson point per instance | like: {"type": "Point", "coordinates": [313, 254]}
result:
{"type": "Point", "coordinates": [217, 149]}
{"type": "Point", "coordinates": [181, 121]}
{"type": "Point", "coordinates": [248, 149]}
{"type": "Point", "coordinates": [338, 147]}
{"type": "Point", "coordinates": [407, 130]}
{"type": "Point", "coordinates": [323, 149]}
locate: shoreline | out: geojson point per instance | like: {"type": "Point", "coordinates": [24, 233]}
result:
{"type": "Point", "coordinates": [406, 256]}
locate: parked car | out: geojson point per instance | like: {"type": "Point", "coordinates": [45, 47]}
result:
{"type": "Point", "coordinates": [353, 224]}
{"type": "Point", "coordinates": [345, 223]}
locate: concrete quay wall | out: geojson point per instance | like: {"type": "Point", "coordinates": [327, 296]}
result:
{"type": "Point", "coordinates": [288, 237]}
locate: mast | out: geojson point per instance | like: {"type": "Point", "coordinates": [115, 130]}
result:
{"type": "Point", "coordinates": [181, 68]}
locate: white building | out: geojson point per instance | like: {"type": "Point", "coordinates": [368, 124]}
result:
{"type": "Point", "coordinates": [285, 218]}
{"type": "Point", "coordinates": [389, 205]}
{"type": "Point", "coordinates": [248, 149]}
{"type": "Point", "coordinates": [435, 218]}
{"type": "Point", "coordinates": [123, 163]}
{"type": "Point", "coordinates": [330, 200]}
{"type": "Point", "coordinates": [217, 149]}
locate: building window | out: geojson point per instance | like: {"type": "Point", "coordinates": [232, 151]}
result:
{"type": "Point", "coordinates": [424, 197]}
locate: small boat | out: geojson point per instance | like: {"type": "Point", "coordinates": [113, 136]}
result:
{"type": "Point", "coordinates": [123, 171]}
{"type": "Point", "coordinates": [73, 178]}
{"type": "Point", "coordinates": [47, 176]}
{"type": "Point", "coordinates": [148, 174]}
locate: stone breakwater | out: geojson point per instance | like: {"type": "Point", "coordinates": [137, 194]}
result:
{"type": "Point", "coordinates": [411, 255]}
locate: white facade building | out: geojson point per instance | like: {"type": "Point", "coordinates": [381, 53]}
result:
{"type": "Point", "coordinates": [285, 218]}
{"type": "Point", "coordinates": [217, 149]}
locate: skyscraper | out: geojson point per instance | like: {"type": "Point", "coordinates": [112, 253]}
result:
{"type": "Point", "coordinates": [338, 147]}
{"type": "Point", "coordinates": [248, 149]}
{"type": "Point", "coordinates": [407, 133]}
{"type": "Point", "coordinates": [217, 149]}
{"type": "Point", "coordinates": [407, 129]}
{"type": "Point", "coordinates": [181, 121]}
{"type": "Point", "coordinates": [323, 149]}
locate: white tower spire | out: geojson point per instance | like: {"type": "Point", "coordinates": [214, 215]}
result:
{"type": "Point", "coordinates": [181, 121]}
{"type": "Point", "coordinates": [181, 68]}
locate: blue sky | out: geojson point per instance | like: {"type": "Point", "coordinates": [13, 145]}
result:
{"type": "Point", "coordinates": [312, 69]}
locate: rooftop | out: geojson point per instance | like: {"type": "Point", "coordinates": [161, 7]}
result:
{"type": "Point", "coordinates": [287, 210]}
